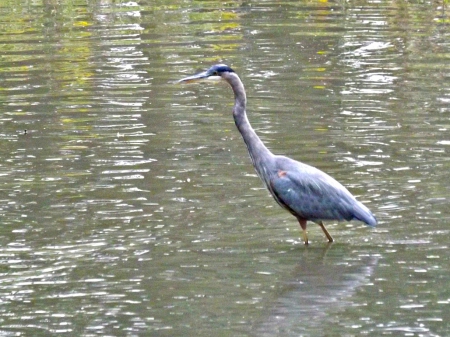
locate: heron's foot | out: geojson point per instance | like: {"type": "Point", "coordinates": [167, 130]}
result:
{"type": "Point", "coordinates": [329, 237]}
{"type": "Point", "coordinates": [302, 223]}
{"type": "Point", "coordinates": [305, 238]}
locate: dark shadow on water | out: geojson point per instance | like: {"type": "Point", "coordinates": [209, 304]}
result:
{"type": "Point", "coordinates": [322, 285]}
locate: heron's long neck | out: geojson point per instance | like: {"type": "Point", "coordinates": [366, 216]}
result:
{"type": "Point", "coordinates": [255, 146]}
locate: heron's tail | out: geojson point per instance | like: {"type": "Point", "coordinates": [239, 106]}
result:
{"type": "Point", "coordinates": [362, 213]}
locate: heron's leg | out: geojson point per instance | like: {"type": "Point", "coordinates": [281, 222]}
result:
{"type": "Point", "coordinates": [329, 237]}
{"type": "Point", "coordinates": [303, 226]}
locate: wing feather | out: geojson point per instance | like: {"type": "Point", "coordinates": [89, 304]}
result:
{"type": "Point", "coordinates": [311, 194]}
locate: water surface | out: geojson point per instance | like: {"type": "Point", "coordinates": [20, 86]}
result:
{"type": "Point", "coordinates": [129, 205]}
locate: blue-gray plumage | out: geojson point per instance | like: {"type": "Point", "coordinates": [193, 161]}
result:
{"type": "Point", "coordinates": [303, 190]}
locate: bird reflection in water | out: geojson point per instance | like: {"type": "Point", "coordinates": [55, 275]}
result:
{"type": "Point", "coordinates": [320, 288]}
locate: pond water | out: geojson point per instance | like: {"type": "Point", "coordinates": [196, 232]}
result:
{"type": "Point", "coordinates": [129, 206]}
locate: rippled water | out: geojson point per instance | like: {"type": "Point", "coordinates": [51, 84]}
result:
{"type": "Point", "coordinates": [129, 206]}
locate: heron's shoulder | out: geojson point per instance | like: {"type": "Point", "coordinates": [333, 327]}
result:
{"type": "Point", "coordinates": [289, 164]}
{"type": "Point", "coordinates": [306, 174]}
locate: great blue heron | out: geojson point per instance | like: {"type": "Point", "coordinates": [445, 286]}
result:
{"type": "Point", "coordinates": [303, 190]}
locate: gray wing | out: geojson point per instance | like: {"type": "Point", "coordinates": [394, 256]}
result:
{"type": "Point", "coordinates": [311, 194]}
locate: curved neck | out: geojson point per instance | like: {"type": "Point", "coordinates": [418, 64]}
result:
{"type": "Point", "coordinates": [255, 146]}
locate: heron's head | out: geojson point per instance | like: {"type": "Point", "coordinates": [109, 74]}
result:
{"type": "Point", "coordinates": [216, 72]}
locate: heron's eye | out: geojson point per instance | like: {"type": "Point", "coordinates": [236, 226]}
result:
{"type": "Point", "coordinates": [215, 73]}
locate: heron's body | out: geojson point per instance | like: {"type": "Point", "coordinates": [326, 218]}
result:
{"type": "Point", "coordinates": [303, 190]}
{"type": "Point", "coordinates": [312, 194]}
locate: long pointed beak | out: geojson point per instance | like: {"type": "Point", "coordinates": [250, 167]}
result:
{"type": "Point", "coordinates": [199, 77]}
{"type": "Point", "coordinates": [194, 78]}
